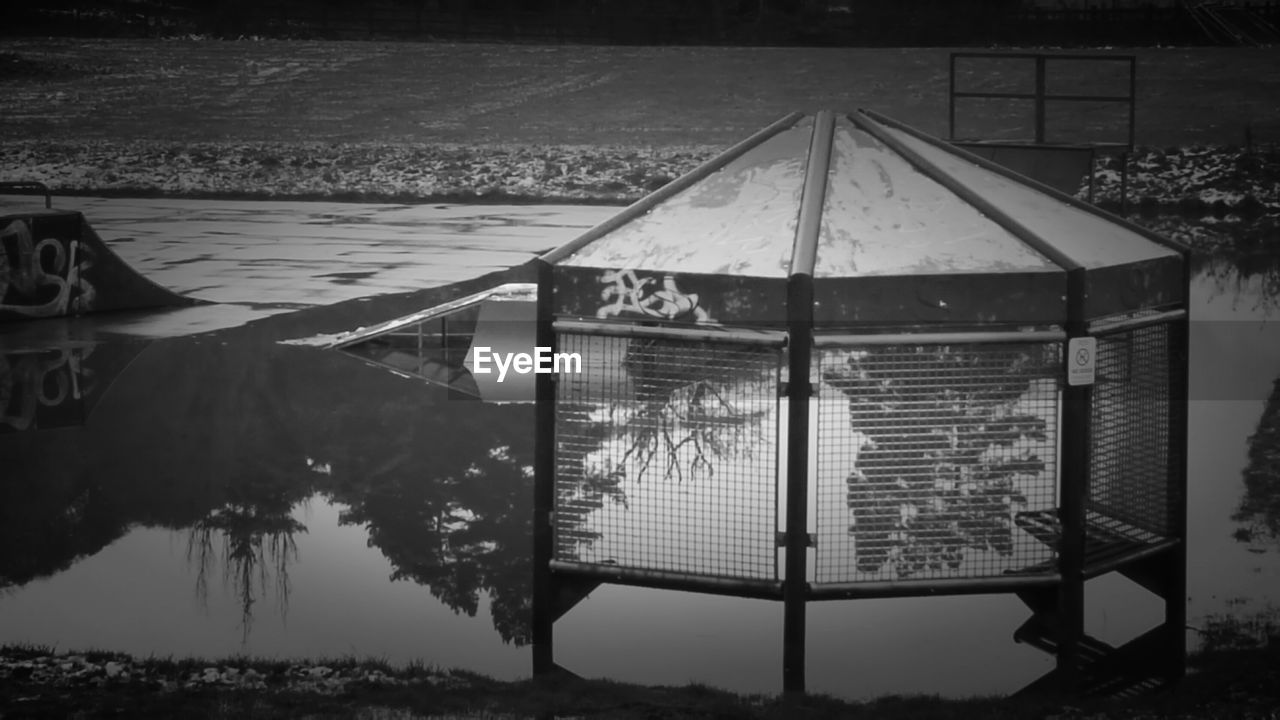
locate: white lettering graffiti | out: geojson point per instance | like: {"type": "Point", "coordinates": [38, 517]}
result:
{"type": "Point", "coordinates": [51, 268]}
{"type": "Point", "coordinates": [638, 296]}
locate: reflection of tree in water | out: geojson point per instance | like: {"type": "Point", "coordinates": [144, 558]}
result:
{"type": "Point", "coordinates": [257, 537]}
{"type": "Point", "coordinates": [1259, 510]}
{"type": "Point", "coordinates": [262, 476]}
{"type": "Point", "coordinates": [582, 433]}
{"type": "Point", "coordinates": [213, 440]}
{"type": "Point", "coordinates": [445, 494]}
{"type": "Point", "coordinates": [50, 520]}
{"type": "Point", "coordinates": [1245, 262]}
{"type": "Point", "coordinates": [944, 447]}
{"type": "Point", "coordinates": [676, 410]}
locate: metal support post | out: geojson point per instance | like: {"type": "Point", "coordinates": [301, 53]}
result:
{"type": "Point", "coordinates": [1077, 411]}
{"type": "Point", "coordinates": [544, 487]}
{"type": "Point", "coordinates": [795, 584]}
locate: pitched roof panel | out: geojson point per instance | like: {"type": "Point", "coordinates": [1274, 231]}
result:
{"type": "Point", "coordinates": [739, 220]}
{"type": "Point", "coordinates": [1091, 240]}
{"type": "Point", "coordinates": [883, 217]}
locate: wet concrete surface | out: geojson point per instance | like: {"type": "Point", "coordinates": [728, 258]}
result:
{"type": "Point", "coordinates": [252, 259]}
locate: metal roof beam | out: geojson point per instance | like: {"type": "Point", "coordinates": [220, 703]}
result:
{"type": "Point", "coordinates": [804, 253]}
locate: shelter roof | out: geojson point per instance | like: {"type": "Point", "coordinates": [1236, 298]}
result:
{"type": "Point", "coordinates": [890, 224]}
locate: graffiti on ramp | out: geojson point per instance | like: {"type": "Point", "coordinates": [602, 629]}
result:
{"type": "Point", "coordinates": [52, 264]}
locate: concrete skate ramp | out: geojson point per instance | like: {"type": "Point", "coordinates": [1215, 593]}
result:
{"type": "Point", "coordinates": [52, 264]}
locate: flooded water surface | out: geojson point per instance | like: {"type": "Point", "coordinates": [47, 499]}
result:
{"type": "Point", "coordinates": [212, 496]}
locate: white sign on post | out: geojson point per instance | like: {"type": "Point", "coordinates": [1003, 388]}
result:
{"type": "Point", "coordinates": [1081, 360]}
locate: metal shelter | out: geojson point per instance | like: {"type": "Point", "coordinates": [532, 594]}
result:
{"type": "Point", "coordinates": [845, 359]}
{"type": "Point", "coordinates": [1055, 160]}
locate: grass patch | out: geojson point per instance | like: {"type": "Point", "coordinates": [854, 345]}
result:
{"type": "Point", "coordinates": [194, 90]}
{"type": "Point", "coordinates": [17, 67]}
{"type": "Point", "coordinates": [428, 122]}
{"type": "Point", "coordinates": [1237, 679]}
{"type": "Point", "coordinates": [354, 172]}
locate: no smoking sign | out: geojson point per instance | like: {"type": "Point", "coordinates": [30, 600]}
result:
{"type": "Point", "coordinates": [1081, 360]}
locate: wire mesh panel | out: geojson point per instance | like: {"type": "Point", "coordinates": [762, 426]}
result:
{"type": "Point", "coordinates": [666, 456]}
{"type": "Point", "coordinates": [926, 453]}
{"type": "Point", "coordinates": [1130, 467]}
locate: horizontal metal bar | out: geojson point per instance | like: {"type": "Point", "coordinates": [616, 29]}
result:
{"type": "Point", "coordinates": [666, 580]}
{"type": "Point", "coordinates": [924, 588]}
{"type": "Point", "coordinates": [1011, 336]}
{"type": "Point", "coordinates": [1093, 570]}
{"type": "Point", "coordinates": [1089, 98]}
{"type": "Point", "coordinates": [1108, 145]}
{"type": "Point", "coordinates": [28, 187]}
{"type": "Point", "coordinates": [905, 428]}
{"type": "Point", "coordinates": [1104, 328]}
{"type": "Point", "coordinates": [975, 54]}
{"type": "Point", "coordinates": [738, 336]}
{"type": "Point", "coordinates": [1024, 144]}
{"type": "Point", "coordinates": [1033, 96]}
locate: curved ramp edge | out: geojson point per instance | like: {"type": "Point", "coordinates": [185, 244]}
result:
{"type": "Point", "coordinates": [53, 264]}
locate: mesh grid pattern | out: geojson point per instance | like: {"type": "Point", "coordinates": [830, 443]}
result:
{"type": "Point", "coordinates": [1130, 466]}
{"type": "Point", "coordinates": [666, 456]}
{"type": "Point", "coordinates": [926, 454]}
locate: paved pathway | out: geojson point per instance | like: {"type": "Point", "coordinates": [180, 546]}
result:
{"type": "Point", "coordinates": [260, 258]}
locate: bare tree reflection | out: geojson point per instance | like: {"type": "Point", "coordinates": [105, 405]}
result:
{"type": "Point", "coordinates": [1259, 510]}
{"type": "Point", "coordinates": [683, 406]}
{"type": "Point", "coordinates": [257, 546]}
{"type": "Point", "coordinates": [1238, 258]}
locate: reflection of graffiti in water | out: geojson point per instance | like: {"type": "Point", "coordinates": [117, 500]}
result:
{"type": "Point", "coordinates": [42, 389]}
{"type": "Point", "coordinates": [42, 279]}
{"type": "Point", "coordinates": [642, 297]}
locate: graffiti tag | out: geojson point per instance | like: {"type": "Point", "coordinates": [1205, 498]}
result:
{"type": "Point", "coordinates": [628, 295]}
{"type": "Point", "coordinates": [42, 279]}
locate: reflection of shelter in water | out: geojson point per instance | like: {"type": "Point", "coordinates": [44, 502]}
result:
{"type": "Point", "coordinates": [1259, 510]}
{"type": "Point", "coordinates": [844, 360]}
{"type": "Point", "coordinates": [437, 344]}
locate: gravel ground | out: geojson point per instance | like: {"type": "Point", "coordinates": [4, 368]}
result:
{"type": "Point", "coordinates": [99, 669]}
{"type": "Point", "coordinates": [358, 172]}
{"type": "Point", "coordinates": [1210, 179]}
